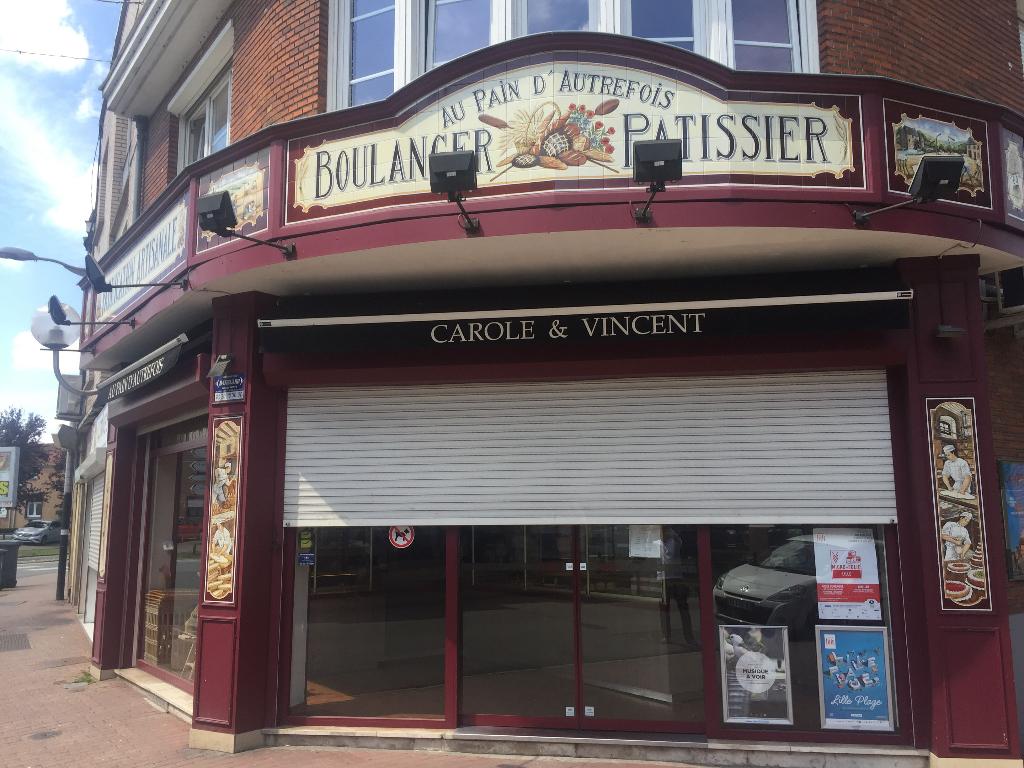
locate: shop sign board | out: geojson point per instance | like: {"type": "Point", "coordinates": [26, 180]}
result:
{"type": "Point", "coordinates": [957, 504]}
{"type": "Point", "coordinates": [1011, 484]}
{"type": "Point", "coordinates": [755, 674]}
{"type": "Point", "coordinates": [221, 535]}
{"type": "Point", "coordinates": [9, 476]}
{"type": "Point", "coordinates": [154, 257]}
{"type": "Point", "coordinates": [229, 388]}
{"type": "Point", "coordinates": [846, 567]}
{"type": "Point", "coordinates": [576, 121]}
{"type": "Point", "coordinates": [854, 681]}
{"type": "Point", "coordinates": [140, 374]}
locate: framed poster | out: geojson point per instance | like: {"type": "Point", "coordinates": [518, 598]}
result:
{"type": "Point", "coordinates": [854, 683]}
{"type": "Point", "coordinates": [846, 567]}
{"type": "Point", "coordinates": [1011, 488]}
{"type": "Point", "coordinates": [9, 476]}
{"type": "Point", "coordinates": [755, 675]}
{"type": "Point", "coordinates": [222, 531]}
{"type": "Point", "coordinates": [957, 503]}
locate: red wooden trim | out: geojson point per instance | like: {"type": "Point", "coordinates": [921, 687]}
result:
{"type": "Point", "coordinates": [515, 721]}
{"type": "Point", "coordinates": [708, 634]}
{"type": "Point", "coordinates": [187, 686]}
{"type": "Point", "coordinates": [452, 656]}
{"type": "Point", "coordinates": [146, 516]}
{"type": "Point", "coordinates": [281, 586]}
{"type": "Point", "coordinates": [287, 624]}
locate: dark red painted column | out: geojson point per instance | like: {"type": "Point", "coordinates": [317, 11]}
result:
{"type": "Point", "coordinates": [959, 655]}
{"type": "Point", "coordinates": [115, 610]}
{"type": "Point", "coordinates": [239, 620]}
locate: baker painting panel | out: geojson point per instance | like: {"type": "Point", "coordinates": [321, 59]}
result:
{"type": "Point", "coordinates": [956, 497]}
{"type": "Point", "coordinates": [220, 536]}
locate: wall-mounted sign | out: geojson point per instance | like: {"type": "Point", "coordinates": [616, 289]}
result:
{"type": "Point", "coordinates": [156, 254]}
{"type": "Point", "coordinates": [141, 373]}
{"type": "Point", "coordinates": [854, 683]}
{"type": "Point", "coordinates": [846, 568]}
{"type": "Point", "coordinates": [667, 322]}
{"type": "Point", "coordinates": [246, 181]}
{"type": "Point", "coordinates": [9, 476]}
{"type": "Point", "coordinates": [1011, 487]}
{"type": "Point", "coordinates": [575, 121]}
{"type": "Point", "coordinates": [915, 132]}
{"type": "Point", "coordinates": [229, 388]}
{"type": "Point", "coordinates": [957, 503]}
{"type": "Point", "coordinates": [401, 536]}
{"type": "Point", "coordinates": [221, 535]}
{"type": "Point", "coordinates": [755, 674]}
{"type": "Point", "coordinates": [306, 550]}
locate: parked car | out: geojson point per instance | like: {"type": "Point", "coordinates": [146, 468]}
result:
{"type": "Point", "coordinates": [39, 532]}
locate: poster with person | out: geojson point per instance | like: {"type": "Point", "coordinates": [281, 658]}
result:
{"type": "Point", "coordinates": [854, 684]}
{"type": "Point", "coordinates": [755, 674]}
{"type": "Point", "coordinates": [957, 503]}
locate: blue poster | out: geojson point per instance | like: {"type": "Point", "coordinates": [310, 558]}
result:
{"type": "Point", "coordinates": [853, 678]}
{"type": "Point", "coordinates": [1011, 484]}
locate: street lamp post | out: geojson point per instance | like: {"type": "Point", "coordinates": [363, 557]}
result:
{"type": "Point", "coordinates": [20, 254]}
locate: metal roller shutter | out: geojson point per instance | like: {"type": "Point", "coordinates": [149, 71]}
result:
{"type": "Point", "coordinates": [810, 447]}
{"type": "Point", "coordinates": [95, 521]}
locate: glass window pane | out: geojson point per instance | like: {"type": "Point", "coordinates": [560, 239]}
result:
{"type": "Point", "coordinates": [460, 26]}
{"type": "Point", "coordinates": [658, 18]}
{"type": "Point", "coordinates": [372, 90]}
{"type": "Point", "coordinates": [374, 625]}
{"type": "Point", "coordinates": [219, 119]}
{"type": "Point", "coordinates": [195, 142]}
{"type": "Point", "coordinates": [557, 16]}
{"type": "Point", "coordinates": [764, 21]}
{"type": "Point", "coordinates": [359, 7]}
{"type": "Point", "coordinates": [765, 59]}
{"type": "Point", "coordinates": [640, 623]}
{"type": "Point", "coordinates": [765, 576]}
{"type": "Point", "coordinates": [373, 44]}
{"type": "Point", "coordinates": [171, 595]}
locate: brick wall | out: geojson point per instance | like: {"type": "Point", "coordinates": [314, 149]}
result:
{"type": "Point", "coordinates": [161, 163]}
{"type": "Point", "coordinates": [279, 70]}
{"type": "Point", "coordinates": [964, 46]}
{"type": "Point", "coordinates": [1006, 392]}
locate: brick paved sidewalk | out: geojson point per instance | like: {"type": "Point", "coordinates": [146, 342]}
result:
{"type": "Point", "coordinates": [44, 723]}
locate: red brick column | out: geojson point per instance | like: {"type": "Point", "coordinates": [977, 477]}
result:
{"type": "Point", "coordinates": [236, 665]}
{"type": "Point", "coordinates": [960, 658]}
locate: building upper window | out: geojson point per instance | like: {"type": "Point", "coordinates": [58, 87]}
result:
{"type": "Point", "coordinates": [34, 510]}
{"type": "Point", "coordinates": [380, 45]}
{"type": "Point", "coordinates": [206, 126]}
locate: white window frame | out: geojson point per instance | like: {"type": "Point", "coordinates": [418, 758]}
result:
{"type": "Point", "coordinates": [414, 44]}
{"type": "Point", "coordinates": [36, 506]}
{"type": "Point", "coordinates": [731, 42]}
{"type": "Point", "coordinates": [205, 103]}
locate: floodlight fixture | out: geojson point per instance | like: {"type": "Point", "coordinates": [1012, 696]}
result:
{"type": "Point", "coordinates": [216, 214]}
{"type": "Point", "coordinates": [59, 315]}
{"type": "Point", "coordinates": [937, 178]}
{"type": "Point", "coordinates": [454, 174]}
{"type": "Point", "coordinates": [220, 366]}
{"type": "Point", "coordinates": [655, 162]}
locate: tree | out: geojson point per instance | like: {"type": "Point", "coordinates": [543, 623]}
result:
{"type": "Point", "coordinates": [21, 430]}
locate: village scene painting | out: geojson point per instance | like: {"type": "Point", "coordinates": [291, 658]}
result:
{"type": "Point", "coordinates": [959, 513]}
{"type": "Point", "coordinates": [913, 138]}
{"type": "Point", "coordinates": [220, 537]}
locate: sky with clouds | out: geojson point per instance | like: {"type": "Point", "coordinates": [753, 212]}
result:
{"type": "Point", "coordinates": [48, 112]}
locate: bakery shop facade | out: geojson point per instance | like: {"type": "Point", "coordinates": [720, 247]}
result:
{"type": "Point", "coordinates": [722, 477]}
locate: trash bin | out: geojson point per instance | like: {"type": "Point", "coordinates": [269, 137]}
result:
{"type": "Point", "coordinates": [9, 563]}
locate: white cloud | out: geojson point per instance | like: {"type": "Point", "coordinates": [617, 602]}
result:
{"type": "Point", "coordinates": [27, 355]}
{"type": "Point", "coordinates": [42, 26]}
{"type": "Point", "coordinates": [88, 108]}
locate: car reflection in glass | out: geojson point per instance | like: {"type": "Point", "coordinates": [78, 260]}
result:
{"type": "Point", "coordinates": [780, 590]}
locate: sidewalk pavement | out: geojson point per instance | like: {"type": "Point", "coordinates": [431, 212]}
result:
{"type": "Point", "coordinates": [47, 720]}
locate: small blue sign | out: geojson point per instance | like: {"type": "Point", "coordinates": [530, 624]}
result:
{"type": "Point", "coordinates": [229, 389]}
{"type": "Point", "coordinates": [853, 678]}
{"type": "Point", "coordinates": [307, 558]}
